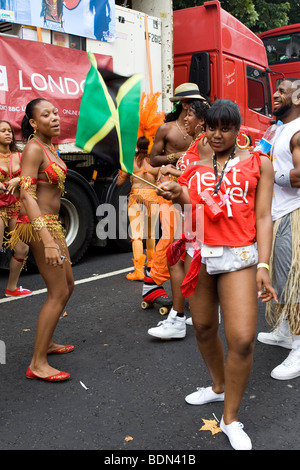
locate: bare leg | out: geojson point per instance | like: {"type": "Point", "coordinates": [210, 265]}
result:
{"type": "Point", "coordinates": [204, 309]}
{"type": "Point", "coordinates": [237, 291]}
{"type": "Point", "coordinates": [239, 307]}
{"type": "Point", "coordinates": [177, 275]}
{"type": "Point", "coordinates": [60, 284]}
{"type": "Point", "coordinates": [16, 264]}
{"type": "Point", "coordinates": [20, 252]}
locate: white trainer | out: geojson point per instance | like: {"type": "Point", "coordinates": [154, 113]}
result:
{"type": "Point", "coordinates": [275, 338]}
{"type": "Point", "coordinates": [172, 328]}
{"type": "Point", "coordinates": [189, 321]}
{"type": "Point", "coordinates": [289, 368]}
{"type": "Point", "coordinates": [204, 395]}
{"type": "Point", "coordinates": [238, 439]}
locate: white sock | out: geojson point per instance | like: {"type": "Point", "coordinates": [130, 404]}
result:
{"type": "Point", "coordinates": [174, 313]}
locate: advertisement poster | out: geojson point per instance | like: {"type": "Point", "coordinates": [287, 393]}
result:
{"type": "Point", "coordinates": [94, 19]}
{"type": "Point", "coordinates": [59, 80]}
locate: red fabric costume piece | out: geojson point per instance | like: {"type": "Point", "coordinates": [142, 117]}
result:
{"type": "Point", "coordinates": [23, 219]}
{"type": "Point", "coordinates": [191, 279]}
{"type": "Point", "coordinates": [175, 252]}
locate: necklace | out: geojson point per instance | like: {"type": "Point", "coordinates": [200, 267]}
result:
{"type": "Point", "coordinates": [184, 135]}
{"type": "Point", "coordinates": [215, 161]}
{"type": "Point", "coordinates": [2, 155]}
{"type": "Point", "coordinates": [50, 147]}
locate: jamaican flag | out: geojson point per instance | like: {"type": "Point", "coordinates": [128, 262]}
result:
{"type": "Point", "coordinates": [109, 116]}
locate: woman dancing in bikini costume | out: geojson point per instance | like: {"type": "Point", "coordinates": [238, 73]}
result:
{"type": "Point", "coordinates": [42, 184]}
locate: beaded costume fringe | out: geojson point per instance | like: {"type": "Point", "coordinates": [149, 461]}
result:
{"type": "Point", "coordinates": [24, 232]}
{"type": "Point", "coordinates": [289, 309]}
{"type": "Point", "coordinates": [10, 212]}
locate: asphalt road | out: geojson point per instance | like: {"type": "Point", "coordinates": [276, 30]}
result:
{"type": "Point", "coordinates": [127, 389]}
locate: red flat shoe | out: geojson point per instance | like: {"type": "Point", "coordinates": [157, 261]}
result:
{"type": "Point", "coordinates": [18, 292]}
{"type": "Point", "coordinates": [63, 350]}
{"type": "Point", "coordinates": [51, 378]}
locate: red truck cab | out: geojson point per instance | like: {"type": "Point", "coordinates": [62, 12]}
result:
{"type": "Point", "coordinates": [226, 60]}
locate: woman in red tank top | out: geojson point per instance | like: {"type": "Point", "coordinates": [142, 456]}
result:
{"type": "Point", "coordinates": [241, 183]}
{"type": "Point", "coordinates": [42, 178]}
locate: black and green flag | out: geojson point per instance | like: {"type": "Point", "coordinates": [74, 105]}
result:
{"type": "Point", "coordinates": [108, 119]}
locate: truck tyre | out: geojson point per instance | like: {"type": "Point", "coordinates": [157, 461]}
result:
{"type": "Point", "coordinates": [78, 219]}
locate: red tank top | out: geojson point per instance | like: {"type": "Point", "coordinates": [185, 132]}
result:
{"type": "Point", "coordinates": [237, 227]}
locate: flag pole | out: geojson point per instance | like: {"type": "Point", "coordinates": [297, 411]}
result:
{"type": "Point", "coordinates": [148, 182]}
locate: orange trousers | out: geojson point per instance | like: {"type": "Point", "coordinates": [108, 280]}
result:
{"type": "Point", "coordinates": [169, 220]}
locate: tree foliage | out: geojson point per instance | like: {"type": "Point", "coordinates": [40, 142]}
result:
{"type": "Point", "coordinates": [258, 15]}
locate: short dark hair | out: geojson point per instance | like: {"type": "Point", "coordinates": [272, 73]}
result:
{"type": "Point", "coordinates": [200, 108]}
{"type": "Point", "coordinates": [225, 111]}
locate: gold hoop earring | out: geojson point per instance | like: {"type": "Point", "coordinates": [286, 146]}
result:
{"type": "Point", "coordinates": [243, 147]}
{"type": "Point", "coordinates": [32, 135]}
{"type": "Point", "coordinates": [204, 142]}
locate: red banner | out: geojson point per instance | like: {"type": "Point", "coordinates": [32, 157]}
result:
{"type": "Point", "coordinates": [30, 70]}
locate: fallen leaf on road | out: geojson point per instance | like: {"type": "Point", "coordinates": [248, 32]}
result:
{"type": "Point", "coordinates": [210, 425]}
{"type": "Point", "coordinates": [128, 438]}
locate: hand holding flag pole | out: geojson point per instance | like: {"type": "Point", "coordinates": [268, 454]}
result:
{"type": "Point", "coordinates": [145, 181]}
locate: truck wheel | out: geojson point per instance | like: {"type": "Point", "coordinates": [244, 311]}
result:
{"type": "Point", "coordinates": [77, 217]}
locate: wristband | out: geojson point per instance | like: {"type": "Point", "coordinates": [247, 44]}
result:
{"type": "Point", "coordinates": [263, 265]}
{"type": "Point", "coordinates": [282, 178]}
{"type": "Point", "coordinates": [171, 158]}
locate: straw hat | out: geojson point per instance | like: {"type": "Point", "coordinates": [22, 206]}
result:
{"type": "Point", "coordinates": [187, 91]}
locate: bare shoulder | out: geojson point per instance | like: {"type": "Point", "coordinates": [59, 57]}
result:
{"type": "Point", "coordinates": [164, 129]}
{"type": "Point", "coordinates": [33, 152]}
{"type": "Point", "coordinates": [243, 154]}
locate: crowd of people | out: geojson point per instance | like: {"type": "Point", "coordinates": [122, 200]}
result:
{"type": "Point", "coordinates": [239, 213]}
{"type": "Point", "coordinates": [229, 219]}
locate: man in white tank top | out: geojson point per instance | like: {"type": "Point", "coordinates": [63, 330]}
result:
{"type": "Point", "coordinates": [285, 259]}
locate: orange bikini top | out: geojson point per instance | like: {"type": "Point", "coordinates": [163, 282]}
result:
{"type": "Point", "coordinates": [55, 173]}
{"type": "Point", "coordinates": [144, 170]}
{"type": "Point", "coordinates": [5, 176]}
